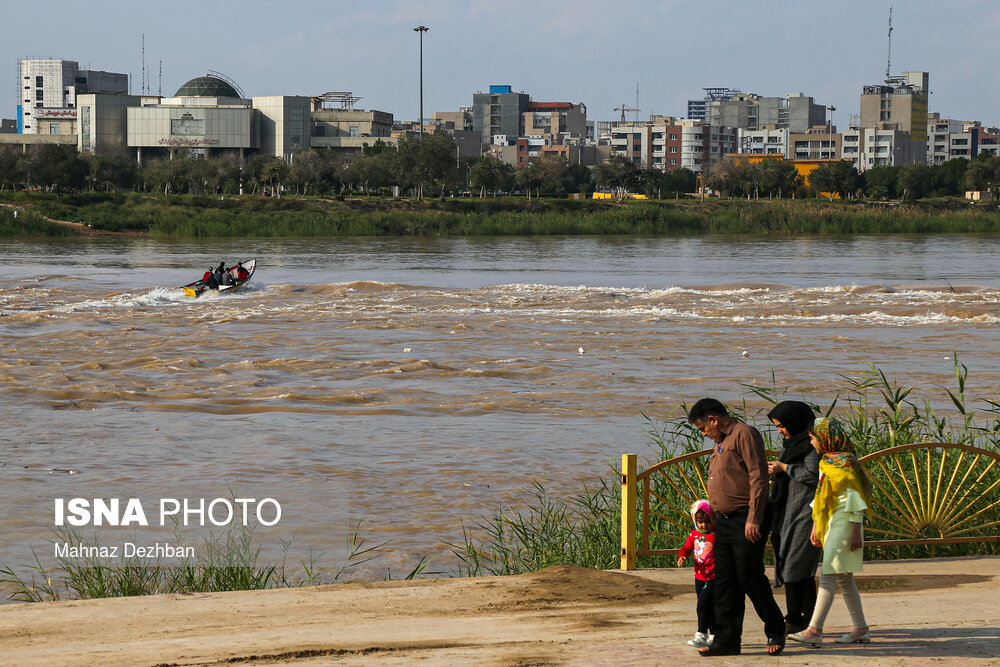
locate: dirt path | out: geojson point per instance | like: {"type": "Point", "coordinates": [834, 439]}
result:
{"type": "Point", "coordinates": [921, 612]}
{"type": "Point", "coordinates": [80, 228]}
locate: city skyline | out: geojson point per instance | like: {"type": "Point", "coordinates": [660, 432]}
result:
{"type": "Point", "coordinates": [591, 55]}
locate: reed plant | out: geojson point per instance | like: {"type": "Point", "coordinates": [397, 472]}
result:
{"type": "Point", "coordinates": [225, 561]}
{"type": "Point", "coordinates": [197, 216]}
{"type": "Point", "coordinates": [879, 413]}
{"type": "Point", "coordinates": [21, 224]}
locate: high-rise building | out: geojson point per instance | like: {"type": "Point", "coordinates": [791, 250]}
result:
{"type": "Point", "coordinates": [47, 92]}
{"type": "Point", "coordinates": [894, 112]}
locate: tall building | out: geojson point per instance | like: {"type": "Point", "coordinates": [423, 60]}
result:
{"type": "Point", "coordinates": [899, 105]}
{"type": "Point", "coordinates": [499, 112]}
{"type": "Point", "coordinates": [48, 90]}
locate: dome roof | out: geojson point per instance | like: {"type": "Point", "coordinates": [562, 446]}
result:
{"type": "Point", "coordinates": [207, 86]}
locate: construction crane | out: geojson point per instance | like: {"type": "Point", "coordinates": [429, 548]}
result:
{"type": "Point", "coordinates": [625, 109]}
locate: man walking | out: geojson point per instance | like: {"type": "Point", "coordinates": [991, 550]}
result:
{"type": "Point", "coordinates": [737, 491]}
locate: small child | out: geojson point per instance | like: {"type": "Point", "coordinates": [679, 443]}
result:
{"type": "Point", "coordinates": [702, 542]}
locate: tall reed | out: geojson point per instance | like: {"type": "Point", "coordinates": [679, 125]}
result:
{"type": "Point", "coordinates": [198, 216]}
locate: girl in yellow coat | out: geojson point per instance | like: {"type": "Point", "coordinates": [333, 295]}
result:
{"type": "Point", "coordinates": [838, 512]}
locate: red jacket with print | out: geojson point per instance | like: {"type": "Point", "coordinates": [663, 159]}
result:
{"type": "Point", "coordinates": [703, 547]}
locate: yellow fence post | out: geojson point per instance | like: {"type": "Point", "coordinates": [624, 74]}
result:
{"type": "Point", "coordinates": [629, 492]}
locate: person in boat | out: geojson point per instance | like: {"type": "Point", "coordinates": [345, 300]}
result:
{"type": "Point", "coordinates": [227, 278]}
{"type": "Point", "coordinates": [208, 274]}
{"type": "Point", "coordinates": [210, 281]}
{"type": "Point", "coordinates": [241, 272]}
{"type": "Point", "coordinates": [219, 271]}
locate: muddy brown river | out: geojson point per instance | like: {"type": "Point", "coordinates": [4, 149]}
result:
{"type": "Point", "coordinates": [405, 385]}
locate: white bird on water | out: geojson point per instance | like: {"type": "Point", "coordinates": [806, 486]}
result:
{"type": "Point", "coordinates": [580, 350]}
{"type": "Point", "coordinates": [745, 354]}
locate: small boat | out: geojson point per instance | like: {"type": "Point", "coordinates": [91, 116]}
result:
{"type": "Point", "coordinates": [199, 287]}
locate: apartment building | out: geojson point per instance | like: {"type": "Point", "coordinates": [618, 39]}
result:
{"type": "Point", "coordinates": [817, 143]}
{"type": "Point", "coordinates": [763, 142]}
{"type": "Point", "coordinates": [871, 146]}
{"type": "Point", "coordinates": [749, 111]}
{"type": "Point", "coordinates": [894, 114]}
{"type": "Point", "coordinates": [668, 143]}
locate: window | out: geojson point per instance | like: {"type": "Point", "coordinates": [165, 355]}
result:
{"type": "Point", "coordinates": [673, 137]}
{"type": "Point", "coordinates": [187, 125]}
{"type": "Point", "coordinates": [673, 149]}
{"type": "Point", "coordinates": [959, 142]}
{"type": "Point", "coordinates": [39, 94]}
{"type": "Point", "coordinates": [38, 82]}
{"type": "Point", "coordinates": [354, 131]}
{"type": "Point", "coordinates": [673, 160]}
{"type": "Point", "coordinates": [53, 128]}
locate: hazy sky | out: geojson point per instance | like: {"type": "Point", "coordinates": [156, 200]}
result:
{"type": "Point", "coordinates": [590, 51]}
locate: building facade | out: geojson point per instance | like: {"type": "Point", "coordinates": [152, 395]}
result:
{"type": "Point", "coordinates": [499, 112]}
{"type": "Point", "coordinates": [668, 143]}
{"type": "Point", "coordinates": [48, 90]}
{"type": "Point", "coordinates": [895, 113]}
{"type": "Point", "coordinates": [749, 111]}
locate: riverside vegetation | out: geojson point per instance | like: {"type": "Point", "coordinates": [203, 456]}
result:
{"type": "Point", "coordinates": [581, 529]}
{"type": "Point", "coordinates": [203, 216]}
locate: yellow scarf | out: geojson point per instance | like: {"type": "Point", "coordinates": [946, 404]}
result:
{"type": "Point", "coordinates": [839, 469]}
{"type": "Point", "coordinates": [834, 478]}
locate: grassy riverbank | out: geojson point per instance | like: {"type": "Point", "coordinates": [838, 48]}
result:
{"type": "Point", "coordinates": [191, 216]}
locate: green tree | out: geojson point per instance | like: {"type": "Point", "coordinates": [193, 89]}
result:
{"type": "Point", "coordinates": [578, 178]}
{"type": "Point", "coordinates": [948, 178]}
{"type": "Point", "coordinates": [618, 174]}
{"type": "Point", "coordinates": [545, 171]}
{"type": "Point", "coordinates": [307, 171]}
{"type": "Point", "coordinates": [426, 158]}
{"type": "Point", "coordinates": [880, 181]}
{"type": "Point", "coordinates": [735, 177]}
{"type": "Point", "coordinates": [112, 171]}
{"type": "Point", "coordinates": [59, 167]}
{"type": "Point", "coordinates": [680, 180]}
{"type": "Point", "coordinates": [12, 167]}
{"type": "Point", "coordinates": [779, 178]}
{"type": "Point", "coordinates": [914, 181]}
{"type": "Point", "coordinates": [837, 177]}
{"type": "Point", "coordinates": [983, 173]}
{"type": "Point", "coordinates": [489, 174]}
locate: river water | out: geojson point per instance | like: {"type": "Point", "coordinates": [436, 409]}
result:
{"type": "Point", "coordinates": [406, 385]}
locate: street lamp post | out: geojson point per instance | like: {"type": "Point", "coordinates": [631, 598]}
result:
{"type": "Point", "coordinates": [421, 29]}
{"type": "Point", "coordinates": [829, 154]}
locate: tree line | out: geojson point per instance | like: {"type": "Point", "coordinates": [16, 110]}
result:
{"type": "Point", "coordinates": [429, 164]}
{"type": "Point", "coordinates": [737, 177]}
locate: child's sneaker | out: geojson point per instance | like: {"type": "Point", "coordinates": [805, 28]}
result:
{"type": "Point", "coordinates": [700, 639]}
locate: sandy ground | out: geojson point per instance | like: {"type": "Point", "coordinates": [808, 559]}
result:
{"type": "Point", "coordinates": [943, 611]}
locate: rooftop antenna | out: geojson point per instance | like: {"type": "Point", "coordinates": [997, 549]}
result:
{"type": "Point", "coordinates": [637, 101]}
{"type": "Point", "coordinates": [888, 62]}
{"type": "Point", "coordinates": [160, 89]}
{"type": "Point", "coordinates": [143, 91]}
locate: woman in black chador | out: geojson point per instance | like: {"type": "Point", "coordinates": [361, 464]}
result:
{"type": "Point", "coordinates": [794, 477]}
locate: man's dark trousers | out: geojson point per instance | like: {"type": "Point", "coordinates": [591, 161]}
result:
{"type": "Point", "coordinates": [739, 571]}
